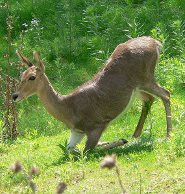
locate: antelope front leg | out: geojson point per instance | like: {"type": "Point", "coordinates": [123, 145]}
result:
{"type": "Point", "coordinates": [93, 138]}
{"type": "Point", "coordinates": [100, 144]}
{"type": "Point", "coordinates": [110, 145]}
{"type": "Point", "coordinates": [74, 139]}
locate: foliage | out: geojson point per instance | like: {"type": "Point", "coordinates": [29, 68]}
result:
{"type": "Point", "coordinates": [150, 163]}
{"type": "Point", "coordinates": [84, 33]}
{"type": "Point", "coordinates": [75, 39]}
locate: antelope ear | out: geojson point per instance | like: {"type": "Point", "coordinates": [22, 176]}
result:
{"type": "Point", "coordinates": [24, 59]}
{"type": "Point", "coordinates": [40, 64]}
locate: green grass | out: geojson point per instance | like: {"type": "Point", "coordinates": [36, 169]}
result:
{"type": "Point", "coordinates": [75, 39]}
{"type": "Point", "coordinates": [150, 164]}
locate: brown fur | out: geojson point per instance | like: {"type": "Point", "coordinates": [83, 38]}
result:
{"type": "Point", "coordinates": [89, 108]}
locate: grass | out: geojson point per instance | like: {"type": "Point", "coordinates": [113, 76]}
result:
{"type": "Point", "coordinates": [79, 40]}
{"type": "Point", "coordinates": [150, 164]}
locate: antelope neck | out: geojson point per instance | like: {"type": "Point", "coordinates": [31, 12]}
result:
{"type": "Point", "coordinates": [52, 101]}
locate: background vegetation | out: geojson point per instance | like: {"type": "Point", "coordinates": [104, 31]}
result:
{"type": "Point", "coordinates": [75, 38]}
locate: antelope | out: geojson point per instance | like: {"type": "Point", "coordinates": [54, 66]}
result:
{"type": "Point", "coordinates": [89, 108]}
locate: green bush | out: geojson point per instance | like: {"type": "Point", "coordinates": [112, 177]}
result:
{"type": "Point", "coordinates": [85, 33]}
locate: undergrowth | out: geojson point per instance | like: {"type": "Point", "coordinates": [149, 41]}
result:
{"type": "Point", "coordinates": [75, 38]}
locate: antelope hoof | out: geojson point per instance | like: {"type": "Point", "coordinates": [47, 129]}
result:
{"type": "Point", "coordinates": [124, 141]}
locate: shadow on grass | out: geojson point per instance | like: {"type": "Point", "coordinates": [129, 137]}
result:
{"type": "Point", "coordinates": [134, 146]}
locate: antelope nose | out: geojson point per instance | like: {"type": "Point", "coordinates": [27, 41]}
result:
{"type": "Point", "coordinates": [14, 96]}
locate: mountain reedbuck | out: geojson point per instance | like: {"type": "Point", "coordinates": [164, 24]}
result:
{"type": "Point", "coordinates": [89, 108]}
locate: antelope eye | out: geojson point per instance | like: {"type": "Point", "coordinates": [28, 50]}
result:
{"type": "Point", "coordinates": [32, 78]}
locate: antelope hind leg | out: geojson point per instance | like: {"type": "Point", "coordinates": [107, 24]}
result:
{"type": "Point", "coordinates": [147, 103]}
{"type": "Point", "coordinates": [164, 94]}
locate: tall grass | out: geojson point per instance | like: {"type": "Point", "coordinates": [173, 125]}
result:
{"type": "Point", "coordinates": [84, 33]}
{"type": "Point", "coordinates": [75, 39]}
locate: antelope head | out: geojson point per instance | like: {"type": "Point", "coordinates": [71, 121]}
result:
{"type": "Point", "coordinates": [31, 79]}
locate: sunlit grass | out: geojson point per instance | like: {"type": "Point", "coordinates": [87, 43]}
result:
{"type": "Point", "coordinates": [150, 163]}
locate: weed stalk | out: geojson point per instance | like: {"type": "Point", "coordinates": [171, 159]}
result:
{"type": "Point", "coordinates": [119, 179]}
{"type": "Point", "coordinates": [10, 117]}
